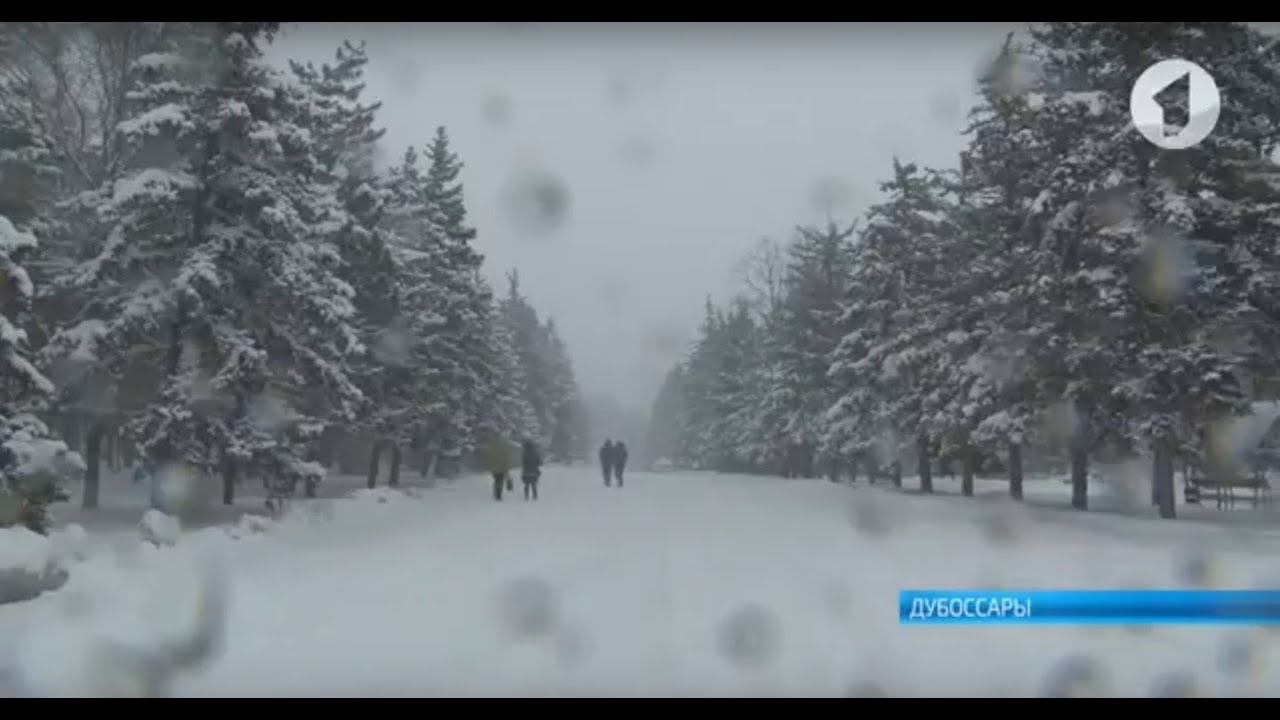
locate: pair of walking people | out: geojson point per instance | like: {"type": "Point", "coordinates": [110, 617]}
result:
{"type": "Point", "coordinates": [613, 461]}
{"type": "Point", "coordinates": [496, 456]}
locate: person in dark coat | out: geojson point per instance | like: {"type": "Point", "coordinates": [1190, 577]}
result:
{"type": "Point", "coordinates": [606, 461]}
{"type": "Point", "coordinates": [530, 469]}
{"type": "Point", "coordinates": [619, 460]}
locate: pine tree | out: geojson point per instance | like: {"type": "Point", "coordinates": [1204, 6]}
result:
{"type": "Point", "coordinates": [228, 204]}
{"type": "Point", "coordinates": [1144, 288]}
{"type": "Point", "coordinates": [1068, 264]}
{"type": "Point", "coordinates": [526, 338]}
{"type": "Point", "coordinates": [996, 194]}
{"type": "Point", "coordinates": [444, 193]}
{"type": "Point", "coordinates": [34, 464]}
{"type": "Point", "coordinates": [98, 384]}
{"type": "Point", "coordinates": [763, 423]}
{"type": "Point", "coordinates": [506, 411]}
{"type": "Point", "coordinates": [719, 392]}
{"type": "Point", "coordinates": [468, 297]}
{"type": "Point", "coordinates": [128, 237]}
{"type": "Point", "coordinates": [663, 435]}
{"type": "Point", "coordinates": [804, 336]}
{"type": "Point", "coordinates": [417, 399]}
{"type": "Point", "coordinates": [697, 444]}
{"type": "Point", "coordinates": [740, 388]}
{"type": "Point", "coordinates": [562, 393]}
{"type": "Point", "coordinates": [346, 135]}
{"type": "Point", "coordinates": [884, 361]}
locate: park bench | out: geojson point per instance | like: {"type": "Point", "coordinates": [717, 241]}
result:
{"type": "Point", "coordinates": [1199, 486]}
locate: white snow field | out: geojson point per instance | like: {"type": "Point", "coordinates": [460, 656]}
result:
{"type": "Point", "coordinates": [679, 584]}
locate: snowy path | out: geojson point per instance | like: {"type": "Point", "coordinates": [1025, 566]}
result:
{"type": "Point", "coordinates": [692, 584]}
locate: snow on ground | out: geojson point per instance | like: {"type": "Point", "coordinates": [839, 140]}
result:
{"type": "Point", "coordinates": [21, 549]}
{"type": "Point", "coordinates": [677, 584]}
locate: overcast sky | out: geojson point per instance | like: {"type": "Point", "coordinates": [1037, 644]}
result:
{"type": "Point", "coordinates": [679, 146]}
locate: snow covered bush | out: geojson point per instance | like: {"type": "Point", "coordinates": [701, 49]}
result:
{"type": "Point", "coordinates": [34, 468]}
{"type": "Point", "coordinates": [160, 529]}
{"type": "Point", "coordinates": [68, 544]}
{"type": "Point", "coordinates": [121, 630]}
{"type": "Point", "coordinates": [376, 495]}
{"type": "Point", "coordinates": [27, 565]}
{"type": "Point", "coordinates": [249, 525]}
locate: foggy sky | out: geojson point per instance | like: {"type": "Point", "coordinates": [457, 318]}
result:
{"type": "Point", "coordinates": [680, 146]}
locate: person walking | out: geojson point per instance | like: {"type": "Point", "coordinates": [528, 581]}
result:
{"type": "Point", "coordinates": [619, 460]}
{"type": "Point", "coordinates": [530, 469]}
{"type": "Point", "coordinates": [606, 461]}
{"type": "Point", "coordinates": [496, 457]}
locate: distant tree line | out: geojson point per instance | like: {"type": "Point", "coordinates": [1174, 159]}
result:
{"type": "Point", "coordinates": [1070, 289]}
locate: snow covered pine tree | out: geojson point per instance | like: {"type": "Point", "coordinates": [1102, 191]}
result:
{"type": "Point", "coordinates": [34, 464]}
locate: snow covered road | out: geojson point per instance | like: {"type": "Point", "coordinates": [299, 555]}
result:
{"type": "Point", "coordinates": [680, 584]}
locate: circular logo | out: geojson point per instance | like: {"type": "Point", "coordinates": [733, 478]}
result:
{"type": "Point", "coordinates": [1175, 104]}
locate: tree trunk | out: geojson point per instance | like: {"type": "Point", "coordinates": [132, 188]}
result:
{"type": "Point", "coordinates": [65, 421]}
{"type": "Point", "coordinates": [1080, 442]}
{"type": "Point", "coordinates": [109, 449]}
{"type": "Point", "coordinates": [127, 452]}
{"type": "Point", "coordinates": [897, 474]}
{"type": "Point", "coordinates": [324, 453]}
{"type": "Point", "coordinates": [853, 471]}
{"type": "Point", "coordinates": [119, 445]}
{"type": "Point", "coordinates": [345, 452]}
{"type": "Point", "coordinates": [229, 472]}
{"type": "Point", "coordinates": [73, 437]}
{"type": "Point", "coordinates": [966, 470]}
{"type": "Point", "coordinates": [394, 479]}
{"type": "Point", "coordinates": [163, 451]}
{"type": "Point", "coordinates": [374, 456]}
{"type": "Point", "coordinates": [1162, 478]}
{"type": "Point", "coordinates": [922, 463]}
{"type": "Point", "coordinates": [1015, 470]}
{"type": "Point", "coordinates": [93, 467]}
{"type": "Point", "coordinates": [429, 462]}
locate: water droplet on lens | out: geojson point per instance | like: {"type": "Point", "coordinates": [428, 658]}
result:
{"type": "Point", "coordinates": [529, 607]}
{"type": "Point", "coordinates": [868, 515]}
{"type": "Point", "coordinates": [865, 689]}
{"type": "Point", "coordinates": [1075, 676]}
{"type": "Point", "coordinates": [571, 647]}
{"type": "Point", "coordinates": [497, 110]}
{"type": "Point", "coordinates": [749, 637]}
{"type": "Point", "coordinates": [1174, 684]}
{"type": "Point", "coordinates": [537, 203]}
{"type": "Point", "coordinates": [1001, 521]}
{"type": "Point", "coordinates": [1237, 655]}
{"type": "Point", "coordinates": [1194, 567]}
